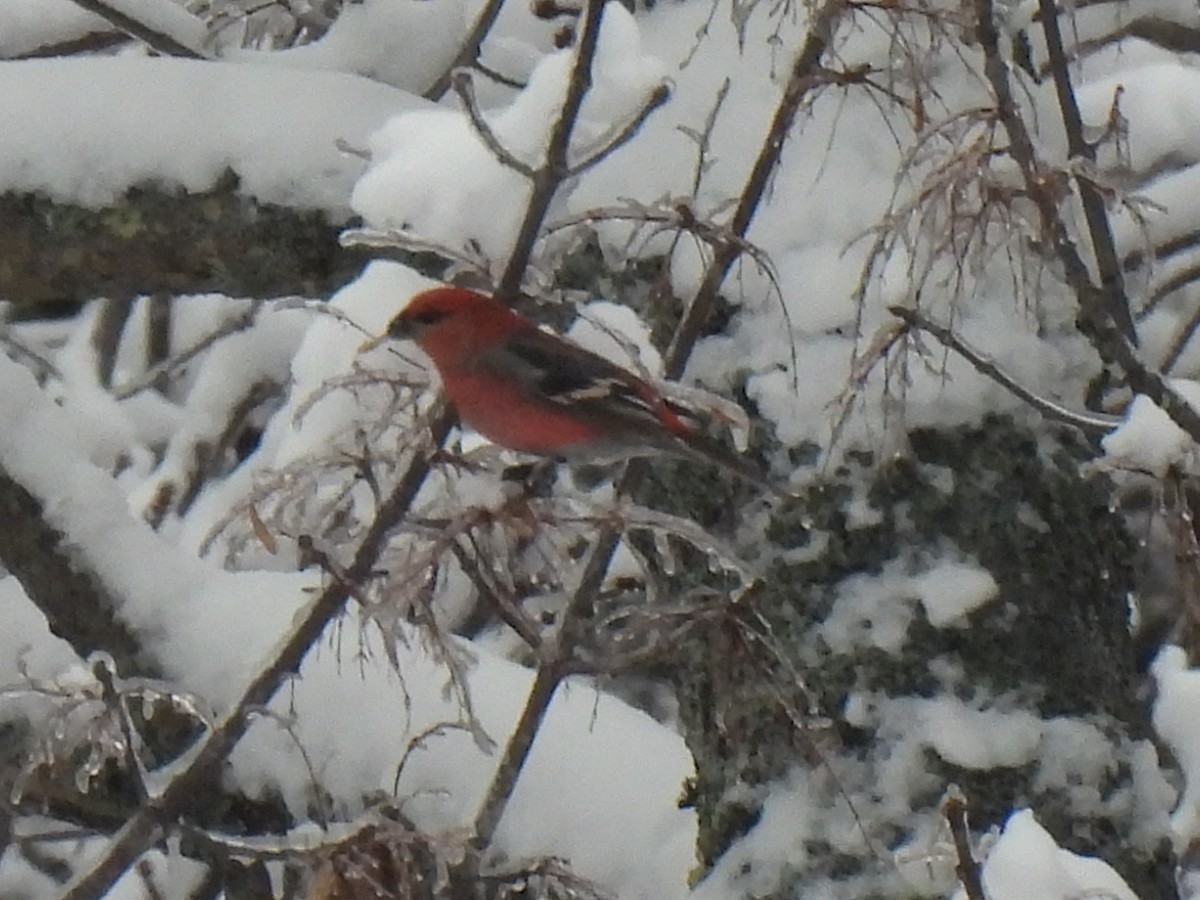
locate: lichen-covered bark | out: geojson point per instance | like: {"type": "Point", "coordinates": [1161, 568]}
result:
{"type": "Point", "coordinates": [1054, 642]}
{"type": "Point", "coordinates": [165, 240]}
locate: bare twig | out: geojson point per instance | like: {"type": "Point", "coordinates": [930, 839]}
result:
{"type": "Point", "coordinates": [464, 87]}
{"type": "Point", "coordinates": [1044, 188]}
{"type": "Point", "coordinates": [805, 77]}
{"type": "Point", "coordinates": [1112, 281]}
{"type": "Point", "coordinates": [468, 53]}
{"type": "Point", "coordinates": [554, 169]}
{"type": "Point", "coordinates": [155, 373]}
{"type": "Point", "coordinates": [1093, 423]}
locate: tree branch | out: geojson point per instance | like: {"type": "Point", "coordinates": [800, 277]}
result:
{"type": "Point", "coordinates": [555, 168]}
{"type": "Point", "coordinates": [1108, 263]}
{"type": "Point", "coordinates": [140, 831]}
{"type": "Point", "coordinates": [468, 54]}
{"type": "Point", "coordinates": [174, 31]}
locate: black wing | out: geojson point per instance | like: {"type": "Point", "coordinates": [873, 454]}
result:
{"type": "Point", "coordinates": [568, 374]}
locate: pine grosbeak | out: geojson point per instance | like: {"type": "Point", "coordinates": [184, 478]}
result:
{"type": "Point", "coordinates": [531, 391]}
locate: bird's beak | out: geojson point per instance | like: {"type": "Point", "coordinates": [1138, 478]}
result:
{"type": "Point", "coordinates": [397, 329]}
{"type": "Point", "coordinates": [368, 346]}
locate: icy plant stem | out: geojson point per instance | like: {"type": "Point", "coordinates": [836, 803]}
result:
{"type": "Point", "coordinates": [143, 828]}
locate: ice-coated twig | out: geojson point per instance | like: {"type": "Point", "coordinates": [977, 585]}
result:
{"type": "Point", "coordinates": [151, 376]}
{"type": "Point", "coordinates": [1091, 422]}
{"type": "Point", "coordinates": [465, 88]}
{"type": "Point", "coordinates": [611, 142]}
{"type": "Point", "coordinates": [1112, 278]}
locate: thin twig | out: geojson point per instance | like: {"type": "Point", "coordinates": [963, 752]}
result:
{"type": "Point", "coordinates": [1095, 320]}
{"type": "Point", "coordinates": [805, 77]}
{"type": "Point", "coordinates": [151, 377]}
{"type": "Point", "coordinates": [954, 808]}
{"type": "Point", "coordinates": [468, 53]}
{"type": "Point", "coordinates": [1093, 423]}
{"type": "Point", "coordinates": [464, 86]}
{"type": "Point", "coordinates": [657, 98]}
{"type": "Point", "coordinates": [1112, 280]}
{"type": "Point", "coordinates": [554, 169]}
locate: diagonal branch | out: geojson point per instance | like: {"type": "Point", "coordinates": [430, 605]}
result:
{"type": "Point", "coordinates": [1092, 423]}
{"type": "Point", "coordinates": [1108, 263]}
{"type": "Point", "coordinates": [468, 53]}
{"type": "Point", "coordinates": [465, 88]}
{"type": "Point", "coordinates": [140, 831]}
{"type": "Point", "coordinates": [554, 168]}
{"type": "Point", "coordinates": [173, 31]}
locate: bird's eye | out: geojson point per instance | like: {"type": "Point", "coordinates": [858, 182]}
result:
{"type": "Point", "coordinates": [427, 317]}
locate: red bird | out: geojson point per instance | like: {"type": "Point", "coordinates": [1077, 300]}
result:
{"type": "Point", "coordinates": [531, 391]}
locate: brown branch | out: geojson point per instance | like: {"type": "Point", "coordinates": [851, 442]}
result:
{"type": "Point", "coordinates": [1108, 264]}
{"type": "Point", "coordinates": [140, 831]}
{"type": "Point", "coordinates": [954, 808]}
{"type": "Point", "coordinates": [161, 41]}
{"type": "Point", "coordinates": [554, 169]}
{"type": "Point", "coordinates": [545, 682]}
{"type": "Point", "coordinates": [468, 53]}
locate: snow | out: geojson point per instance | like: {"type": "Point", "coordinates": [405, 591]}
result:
{"type": "Point", "coordinates": [464, 197]}
{"type": "Point", "coordinates": [876, 610]}
{"type": "Point", "coordinates": [602, 785]}
{"type": "Point", "coordinates": [1148, 439]}
{"type": "Point", "coordinates": [1026, 862]}
{"type": "Point", "coordinates": [1174, 718]}
{"type": "Point", "coordinates": [191, 121]}
{"type": "Point", "coordinates": [26, 25]}
{"type": "Point", "coordinates": [408, 44]}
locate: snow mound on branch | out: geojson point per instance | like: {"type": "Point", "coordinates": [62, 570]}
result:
{"type": "Point", "coordinates": [1026, 862]}
{"type": "Point", "coordinates": [463, 196]}
{"type": "Point", "coordinates": [1148, 439]}
{"type": "Point", "coordinates": [118, 122]}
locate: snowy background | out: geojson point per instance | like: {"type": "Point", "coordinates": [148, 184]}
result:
{"type": "Point", "coordinates": [873, 204]}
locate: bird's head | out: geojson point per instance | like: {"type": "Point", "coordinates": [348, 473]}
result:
{"type": "Point", "coordinates": [429, 308]}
